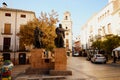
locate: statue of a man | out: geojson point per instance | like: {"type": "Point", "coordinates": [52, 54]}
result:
{"type": "Point", "coordinates": [59, 40]}
{"type": "Point", "coordinates": [37, 38]}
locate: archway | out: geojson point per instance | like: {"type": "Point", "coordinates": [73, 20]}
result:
{"type": "Point", "coordinates": [22, 58]}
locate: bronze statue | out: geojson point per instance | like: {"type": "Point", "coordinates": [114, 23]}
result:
{"type": "Point", "coordinates": [37, 38]}
{"type": "Point", "coordinates": [59, 40]}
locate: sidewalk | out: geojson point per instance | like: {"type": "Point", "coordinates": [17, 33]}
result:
{"type": "Point", "coordinates": [110, 62]}
{"type": "Point", "coordinates": [18, 70]}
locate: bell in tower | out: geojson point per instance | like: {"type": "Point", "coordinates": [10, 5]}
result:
{"type": "Point", "coordinates": [67, 15]}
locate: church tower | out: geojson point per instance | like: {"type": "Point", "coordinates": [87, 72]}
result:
{"type": "Point", "coordinates": [67, 25]}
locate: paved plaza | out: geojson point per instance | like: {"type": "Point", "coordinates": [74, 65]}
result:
{"type": "Point", "coordinates": [81, 70]}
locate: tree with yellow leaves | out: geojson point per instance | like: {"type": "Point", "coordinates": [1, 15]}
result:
{"type": "Point", "coordinates": [46, 23]}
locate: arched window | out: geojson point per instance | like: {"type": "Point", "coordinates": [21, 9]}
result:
{"type": "Point", "coordinates": [66, 27]}
{"type": "Point", "coordinates": [66, 17]}
{"type": "Point", "coordinates": [109, 28]}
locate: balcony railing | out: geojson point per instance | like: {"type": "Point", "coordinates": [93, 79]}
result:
{"type": "Point", "coordinates": [6, 33]}
{"type": "Point", "coordinates": [7, 48]}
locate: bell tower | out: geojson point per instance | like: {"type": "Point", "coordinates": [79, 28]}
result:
{"type": "Point", "coordinates": [67, 25]}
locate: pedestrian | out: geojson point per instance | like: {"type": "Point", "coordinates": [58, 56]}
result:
{"type": "Point", "coordinates": [106, 56]}
{"type": "Point", "coordinates": [114, 57]}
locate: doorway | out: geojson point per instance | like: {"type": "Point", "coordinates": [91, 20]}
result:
{"type": "Point", "coordinates": [22, 58]}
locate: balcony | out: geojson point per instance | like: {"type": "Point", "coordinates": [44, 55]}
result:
{"type": "Point", "coordinates": [6, 33]}
{"type": "Point", "coordinates": [7, 48]}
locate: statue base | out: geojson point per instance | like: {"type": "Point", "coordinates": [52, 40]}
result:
{"type": "Point", "coordinates": [60, 65]}
{"type": "Point", "coordinates": [38, 60]}
{"type": "Point", "coordinates": [60, 59]}
{"type": "Point", "coordinates": [45, 65]}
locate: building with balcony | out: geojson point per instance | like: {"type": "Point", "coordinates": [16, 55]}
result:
{"type": "Point", "coordinates": [103, 23]}
{"type": "Point", "coordinates": [10, 22]}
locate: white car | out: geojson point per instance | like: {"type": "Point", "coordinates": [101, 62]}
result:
{"type": "Point", "coordinates": [98, 58]}
{"type": "Point", "coordinates": [76, 54]}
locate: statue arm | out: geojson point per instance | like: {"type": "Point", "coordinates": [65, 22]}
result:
{"type": "Point", "coordinates": [61, 29]}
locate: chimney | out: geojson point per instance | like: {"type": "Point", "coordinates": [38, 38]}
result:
{"type": "Point", "coordinates": [4, 5]}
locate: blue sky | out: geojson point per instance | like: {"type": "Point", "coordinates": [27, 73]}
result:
{"type": "Point", "coordinates": [81, 10]}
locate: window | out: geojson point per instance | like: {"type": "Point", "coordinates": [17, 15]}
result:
{"type": "Point", "coordinates": [108, 12]}
{"type": "Point", "coordinates": [7, 29]}
{"type": "Point", "coordinates": [67, 45]}
{"type": "Point", "coordinates": [67, 40]}
{"type": "Point", "coordinates": [66, 17]}
{"type": "Point", "coordinates": [67, 33]}
{"type": "Point", "coordinates": [21, 26]}
{"type": "Point", "coordinates": [23, 16]}
{"type": "Point", "coordinates": [66, 27]}
{"type": "Point", "coordinates": [8, 14]}
{"type": "Point", "coordinates": [109, 28]}
{"type": "Point", "coordinates": [103, 29]}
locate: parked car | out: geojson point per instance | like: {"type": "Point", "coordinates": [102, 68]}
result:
{"type": "Point", "coordinates": [98, 58]}
{"type": "Point", "coordinates": [76, 54]}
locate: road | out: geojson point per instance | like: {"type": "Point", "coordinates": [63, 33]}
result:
{"type": "Point", "coordinates": [85, 70]}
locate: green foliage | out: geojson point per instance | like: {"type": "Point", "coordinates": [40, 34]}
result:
{"type": "Point", "coordinates": [111, 42]}
{"type": "Point", "coordinates": [108, 44]}
{"type": "Point", "coordinates": [46, 22]}
{"type": "Point", "coordinates": [97, 44]}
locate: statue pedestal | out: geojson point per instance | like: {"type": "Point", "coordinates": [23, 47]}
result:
{"type": "Point", "coordinates": [60, 59]}
{"type": "Point", "coordinates": [39, 61]}
{"type": "Point", "coordinates": [60, 65]}
{"type": "Point", "coordinates": [40, 64]}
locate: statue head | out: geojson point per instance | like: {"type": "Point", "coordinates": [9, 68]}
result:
{"type": "Point", "coordinates": [60, 25]}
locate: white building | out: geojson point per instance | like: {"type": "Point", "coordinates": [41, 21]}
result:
{"type": "Point", "coordinates": [105, 22]}
{"type": "Point", "coordinates": [67, 24]}
{"type": "Point", "coordinates": [10, 22]}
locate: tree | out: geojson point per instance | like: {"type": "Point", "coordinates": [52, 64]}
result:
{"type": "Point", "coordinates": [46, 22]}
{"type": "Point", "coordinates": [97, 44]}
{"type": "Point", "coordinates": [108, 44]}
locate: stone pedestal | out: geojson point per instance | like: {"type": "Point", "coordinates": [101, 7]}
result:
{"type": "Point", "coordinates": [60, 65]}
{"type": "Point", "coordinates": [60, 59]}
{"type": "Point", "coordinates": [54, 64]}
{"type": "Point", "coordinates": [39, 61]}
